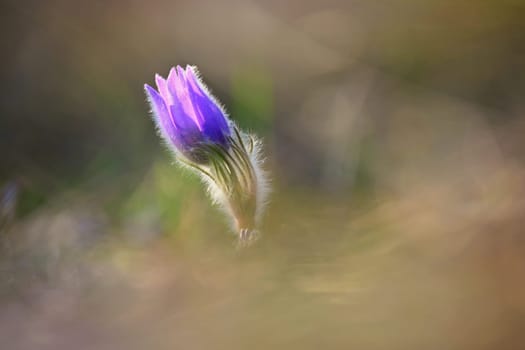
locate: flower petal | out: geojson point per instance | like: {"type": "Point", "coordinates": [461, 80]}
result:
{"type": "Point", "coordinates": [162, 85]}
{"type": "Point", "coordinates": [178, 89]}
{"type": "Point", "coordinates": [188, 131]}
{"type": "Point", "coordinates": [162, 116]}
{"type": "Point", "coordinates": [199, 89]}
{"type": "Point", "coordinates": [215, 126]}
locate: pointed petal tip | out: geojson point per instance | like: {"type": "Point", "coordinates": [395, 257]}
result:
{"type": "Point", "coordinates": [149, 89]}
{"type": "Point", "coordinates": [172, 81]}
{"type": "Point", "coordinates": [193, 73]}
{"type": "Point", "coordinates": [182, 73]}
{"type": "Point", "coordinates": [158, 78]}
{"type": "Point", "coordinates": [172, 74]}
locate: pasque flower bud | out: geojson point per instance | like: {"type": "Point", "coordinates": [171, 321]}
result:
{"type": "Point", "coordinates": [197, 129]}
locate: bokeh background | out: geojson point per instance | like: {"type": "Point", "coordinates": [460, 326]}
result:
{"type": "Point", "coordinates": [394, 132]}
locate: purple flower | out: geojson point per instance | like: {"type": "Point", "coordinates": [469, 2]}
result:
{"type": "Point", "coordinates": [228, 160]}
{"type": "Point", "coordinates": [186, 114]}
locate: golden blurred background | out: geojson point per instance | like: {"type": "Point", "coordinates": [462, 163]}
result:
{"type": "Point", "coordinates": [394, 132]}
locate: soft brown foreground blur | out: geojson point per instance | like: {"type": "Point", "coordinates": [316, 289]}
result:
{"type": "Point", "coordinates": [394, 133]}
